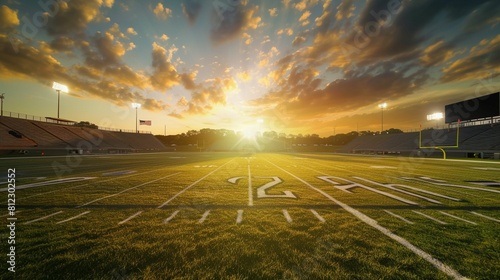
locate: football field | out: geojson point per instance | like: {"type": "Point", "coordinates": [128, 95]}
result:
{"type": "Point", "coordinates": [251, 216]}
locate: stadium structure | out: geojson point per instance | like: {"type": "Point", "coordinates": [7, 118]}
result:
{"type": "Point", "coordinates": [473, 131]}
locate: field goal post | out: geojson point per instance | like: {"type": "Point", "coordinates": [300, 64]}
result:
{"type": "Point", "coordinates": [441, 148]}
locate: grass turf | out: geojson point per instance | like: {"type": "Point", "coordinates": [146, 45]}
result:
{"type": "Point", "coordinates": [186, 209]}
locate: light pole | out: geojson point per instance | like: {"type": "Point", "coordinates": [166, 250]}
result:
{"type": "Point", "coordinates": [136, 106]}
{"type": "Point", "coordinates": [2, 97]}
{"type": "Point", "coordinates": [59, 87]}
{"type": "Point", "coordinates": [382, 107]}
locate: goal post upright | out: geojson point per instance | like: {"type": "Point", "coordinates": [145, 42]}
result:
{"type": "Point", "coordinates": [441, 148]}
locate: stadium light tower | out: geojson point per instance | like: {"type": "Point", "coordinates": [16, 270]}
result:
{"type": "Point", "coordinates": [2, 97]}
{"type": "Point", "coordinates": [382, 106]}
{"type": "Point", "coordinates": [59, 87]}
{"type": "Point", "coordinates": [136, 106]}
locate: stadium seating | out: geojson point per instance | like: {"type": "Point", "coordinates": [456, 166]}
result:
{"type": "Point", "coordinates": [21, 133]}
{"type": "Point", "coordinates": [482, 138]}
{"type": "Point", "coordinates": [10, 138]}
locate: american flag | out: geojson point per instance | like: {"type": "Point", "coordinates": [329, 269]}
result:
{"type": "Point", "coordinates": [142, 122]}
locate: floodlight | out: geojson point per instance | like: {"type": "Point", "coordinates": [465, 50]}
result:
{"type": "Point", "coordinates": [434, 116]}
{"type": "Point", "coordinates": [136, 105]}
{"type": "Point", "coordinates": [60, 87]}
{"type": "Point", "coordinates": [382, 105]}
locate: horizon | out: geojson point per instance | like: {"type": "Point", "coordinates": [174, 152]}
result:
{"type": "Point", "coordinates": [305, 66]}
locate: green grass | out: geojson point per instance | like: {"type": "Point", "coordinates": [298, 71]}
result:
{"type": "Point", "coordinates": [264, 245]}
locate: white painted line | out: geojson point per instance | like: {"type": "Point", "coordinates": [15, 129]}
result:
{"type": "Point", "coordinates": [239, 219]}
{"type": "Point", "coordinates": [287, 216]}
{"type": "Point", "coordinates": [373, 223]}
{"type": "Point", "coordinates": [399, 217]}
{"type": "Point", "coordinates": [171, 217]}
{"type": "Point", "coordinates": [188, 187]}
{"type": "Point", "coordinates": [72, 218]}
{"type": "Point", "coordinates": [204, 217]}
{"type": "Point", "coordinates": [458, 218]}
{"type": "Point", "coordinates": [52, 182]}
{"type": "Point", "coordinates": [130, 218]}
{"type": "Point", "coordinates": [321, 219]}
{"type": "Point", "coordinates": [486, 217]}
{"type": "Point", "coordinates": [429, 217]}
{"type": "Point", "coordinates": [126, 190]}
{"type": "Point", "coordinates": [43, 218]}
{"type": "Point", "coordinates": [391, 187]}
{"type": "Point", "coordinates": [250, 192]}
{"type": "Point", "coordinates": [10, 214]}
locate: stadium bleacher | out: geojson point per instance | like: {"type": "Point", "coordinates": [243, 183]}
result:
{"type": "Point", "coordinates": [16, 134]}
{"type": "Point", "coordinates": [472, 139]}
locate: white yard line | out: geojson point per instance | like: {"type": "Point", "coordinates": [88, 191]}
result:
{"type": "Point", "coordinates": [43, 218]}
{"type": "Point", "coordinates": [135, 187]}
{"type": "Point", "coordinates": [171, 217]}
{"type": "Point", "coordinates": [250, 192]}
{"type": "Point", "coordinates": [486, 217]}
{"type": "Point", "coordinates": [130, 218]}
{"type": "Point", "coordinates": [72, 218]}
{"type": "Point", "coordinates": [458, 218]}
{"type": "Point", "coordinates": [287, 216]}
{"type": "Point", "coordinates": [93, 183]}
{"type": "Point", "coordinates": [373, 223]}
{"type": "Point", "coordinates": [17, 212]}
{"type": "Point", "coordinates": [190, 186]}
{"type": "Point", "coordinates": [204, 217]}
{"type": "Point", "coordinates": [429, 217]}
{"type": "Point", "coordinates": [399, 217]}
{"type": "Point", "coordinates": [321, 219]}
{"type": "Point", "coordinates": [239, 219]}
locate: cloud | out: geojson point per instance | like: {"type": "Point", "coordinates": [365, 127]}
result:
{"type": "Point", "coordinates": [229, 22]}
{"type": "Point", "coordinates": [73, 17]}
{"type": "Point", "coordinates": [287, 31]}
{"type": "Point", "coordinates": [304, 17]}
{"type": "Point", "coordinates": [103, 50]}
{"type": "Point", "coordinates": [109, 3]}
{"type": "Point", "coordinates": [60, 44]}
{"type": "Point", "coordinates": [436, 53]}
{"type": "Point", "coordinates": [8, 19]}
{"type": "Point", "coordinates": [303, 4]}
{"type": "Point", "coordinates": [164, 37]}
{"type": "Point", "coordinates": [298, 40]}
{"type": "Point", "coordinates": [247, 38]}
{"type": "Point", "coordinates": [131, 31]}
{"type": "Point", "coordinates": [191, 9]}
{"type": "Point", "coordinates": [485, 15]}
{"type": "Point", "coordinates": [481, 62]}
{"type": "Point", "coordinates": [273, 12]}
{"type": "Point", "coordinates": [345, 10]}
{"type": "Point", "coordinates": [114, 84]}
{"type": "Point", "coordinates": [298, 89]}
{"type": "Point", "coordinates": [164, 75]}
{"type": "Point", "coordinates": [131, 46]}
{"type": "Point", "coordinates": [161, 12]}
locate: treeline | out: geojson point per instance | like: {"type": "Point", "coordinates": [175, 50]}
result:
{"type": "Point", "coordinates": [206, 137]}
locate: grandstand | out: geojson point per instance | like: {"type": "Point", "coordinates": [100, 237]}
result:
{"type": "Point", "coordinates": [35, 137]}
{"type": "Point", "coordinates": [474, 141]}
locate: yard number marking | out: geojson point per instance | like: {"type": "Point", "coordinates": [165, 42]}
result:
{"type": "Point", "coordinates": [262, 190]}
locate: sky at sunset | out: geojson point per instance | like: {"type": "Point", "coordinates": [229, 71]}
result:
{"type": "Point", "coordinates": [300, 66]}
